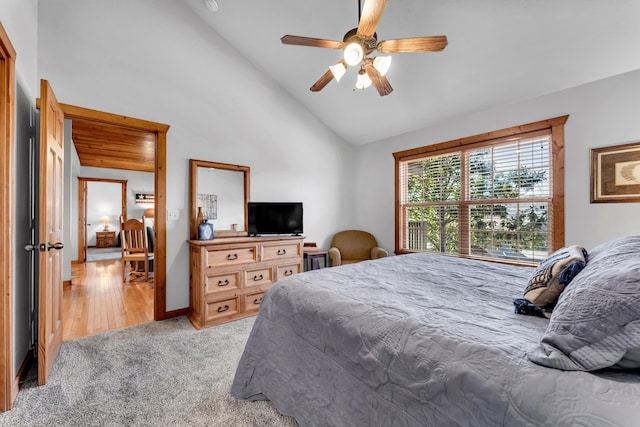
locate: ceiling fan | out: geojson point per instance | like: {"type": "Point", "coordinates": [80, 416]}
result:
{"type": "Point", "coordinates": [359, 42]}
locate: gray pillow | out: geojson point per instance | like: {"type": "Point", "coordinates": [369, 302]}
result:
{"type": "Point", "coordinates": [552, 275]}
{"type": "Point", "coordinates": [596, 323]}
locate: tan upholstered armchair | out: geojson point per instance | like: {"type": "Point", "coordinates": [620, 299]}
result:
{"type": "Point", "coordinates": [350, 246]}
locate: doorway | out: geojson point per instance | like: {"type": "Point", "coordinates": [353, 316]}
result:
{"type": "Point", "coordinates": [156, 134]}
{"type": "Point", "coordinates": [101, 203]}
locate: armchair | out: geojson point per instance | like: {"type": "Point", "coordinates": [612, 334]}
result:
{"type": "Point", "coordinates": [351, 246]}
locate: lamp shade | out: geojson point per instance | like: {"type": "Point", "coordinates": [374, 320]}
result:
{"type": "Point", "coordinates": [338, 70]}
{"type": "Point", "coordinates": [382, 64]}
{"type": "Point", "coordinates": [363, 80]}
{"type": "Point", "coordinates": [105, 220]}
{"type": "Point", "coordinates": [149, 213]}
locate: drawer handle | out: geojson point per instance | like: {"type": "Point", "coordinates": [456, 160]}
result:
{"type": "Point", "coordinates": [282, 252]}
{"type": "Point", "coordinates": [257, 301]}
{"type": "Point", "coordinates": [232, 257]}
{"type": "Point", "coordinates": [258, 278]}
{"type": "Point", "coordinates": [221, 283]}
{"type": "Point", "coordinates": [288, 272]}
{"type": "Point", "coordinates": [221, 309]}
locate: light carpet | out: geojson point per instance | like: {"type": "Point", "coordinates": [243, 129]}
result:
{"type": "Point", "coordinates": [158, 374]}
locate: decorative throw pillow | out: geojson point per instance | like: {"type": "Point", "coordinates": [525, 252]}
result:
{"type": "Point", "coordinates": [553, 274]}
{"type": "Point", "coordinates": [596, 323]}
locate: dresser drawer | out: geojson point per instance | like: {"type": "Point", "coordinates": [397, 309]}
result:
{"type": "Point", "coordinates": [223, 257]}
{"type": "Point", "coordinates": [219, 309]}
{"type": "Point", "coordinates": [281, 250]}
{"type": "Point", "coordinates": [287, 270]}
{"type": "Point", "coordinates": [252, 302]}
{"type": "Point", "coordinates": [262, 276]}
{"type": "Point", "coordinates": [216, 283]}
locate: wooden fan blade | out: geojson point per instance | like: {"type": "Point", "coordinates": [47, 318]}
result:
{"type": "Point", "coordinates": [371, 13]}
{"type": "Point", "coordinates": [380, 82]}
{"type": "Point", "coordinates": [322, 82]}
{"type": "Point", "coordinates": [312, 42]}
{"type": "Point", "coordinates": [416, 44]}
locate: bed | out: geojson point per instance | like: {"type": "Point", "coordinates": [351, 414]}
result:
{"type": "Point", "coordinates": [429, 340]}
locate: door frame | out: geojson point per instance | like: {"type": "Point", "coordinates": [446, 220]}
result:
{"type": "Point", "coordinates": [82, 201]}
{"type": "Point", "coordinates": [8, 384]}
{"type": "Point", "coordinates": [160, 190]}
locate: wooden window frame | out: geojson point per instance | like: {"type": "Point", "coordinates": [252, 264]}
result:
{"type": "Point", "coordinates": [554, 126]}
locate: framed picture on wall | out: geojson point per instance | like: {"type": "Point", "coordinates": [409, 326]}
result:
{"type": "Point", "coordinates": [615, 173]}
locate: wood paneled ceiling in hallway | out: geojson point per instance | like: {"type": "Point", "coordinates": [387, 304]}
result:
{"type": "Point", "coordinates": [107, 146]}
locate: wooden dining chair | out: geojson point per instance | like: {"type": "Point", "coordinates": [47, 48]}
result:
{"type": "Point", "coordinates": [135, 247]}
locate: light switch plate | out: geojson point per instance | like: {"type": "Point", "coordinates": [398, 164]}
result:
{"type": "Point", "coordinates": [173, 214]}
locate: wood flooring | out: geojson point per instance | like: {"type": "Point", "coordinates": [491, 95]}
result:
{"type": "Point", "coordinates": [98, 301]}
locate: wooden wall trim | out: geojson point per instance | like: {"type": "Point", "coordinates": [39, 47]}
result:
{"type": "Point", "coordinates": [483, 137]}
{"type": "Point", "coordinates": [72, 111]}
{"type": "Point", "coordinates": [8, 384]}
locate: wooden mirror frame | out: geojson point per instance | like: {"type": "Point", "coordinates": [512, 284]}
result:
{"type": "Point", "coordinates": [193, 197]}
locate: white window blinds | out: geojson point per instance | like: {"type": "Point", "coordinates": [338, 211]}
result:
{"type": "Point", "coordinates": [492, 199]}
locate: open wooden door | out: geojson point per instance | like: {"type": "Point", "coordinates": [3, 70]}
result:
{"type": "Point", "coordinates": [50, 237]}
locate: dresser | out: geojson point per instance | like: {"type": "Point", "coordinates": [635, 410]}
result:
{"type": "Point", "coordinates": [228, 276]}
{"type": "Point", "coordinates": [105, 239]}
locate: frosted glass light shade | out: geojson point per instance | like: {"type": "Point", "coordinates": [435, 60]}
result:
{"type": "Point", "coordinates": [338, 71]}
{"type": "Point", "coordinates": [382, 64]}
{"type": "Point", "coordinates": [353, 54]}
{"type": "Point", "coordinates": [363, 80]}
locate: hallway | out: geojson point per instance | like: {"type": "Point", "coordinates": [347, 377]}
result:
{"type": "Point", "coordinates": [98, 301]}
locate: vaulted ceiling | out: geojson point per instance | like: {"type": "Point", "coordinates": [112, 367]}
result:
{"type": "Point", "coordinates": [499, 52]}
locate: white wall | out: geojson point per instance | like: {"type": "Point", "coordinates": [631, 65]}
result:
{"type": "Point", "coordinates": [103, 199]}
{"type": "Point", "coordinates": [19, 19]}
{"type": "Point", "coordinates": [71, 172]}
{"type": "Point", "coordinates": [156, 60]}
{"type": "Point", "coordinates": [137, 182]}
{"type": "Point", "coordinates": [601, 113]}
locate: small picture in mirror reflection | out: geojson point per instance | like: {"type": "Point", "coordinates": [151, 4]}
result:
{"type": "Point", "coordinates": [205, 231]}
{"type": "Point", "coordinates": [209, 204]}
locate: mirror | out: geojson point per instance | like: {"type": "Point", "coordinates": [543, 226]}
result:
{"type": "Point", "coordinates": [221, 190]}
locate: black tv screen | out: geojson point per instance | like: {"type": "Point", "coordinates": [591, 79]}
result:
{"type": "Point", "coordinates": [275, 218]}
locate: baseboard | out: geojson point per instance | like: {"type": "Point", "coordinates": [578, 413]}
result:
{"type": "Point", "coordinates": [176, 313]}
{"type": "Point", "coordinates": [28, 361]}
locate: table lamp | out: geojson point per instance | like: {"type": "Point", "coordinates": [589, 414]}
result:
{"type": "Point", "coordinates": [105, 220]}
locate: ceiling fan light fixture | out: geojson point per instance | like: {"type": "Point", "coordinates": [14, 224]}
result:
{"type": "Point", "coordinates": [363, 81]}
{"type": "Point", "coordinates": [338, 70]}
{"type": "Point", "coordinates": [353, 54]}
{"type": "Point", "coordinates": [382, 64]}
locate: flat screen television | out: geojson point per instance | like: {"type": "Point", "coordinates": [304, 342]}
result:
{"type": "Point", "coordinates": [275, 218]}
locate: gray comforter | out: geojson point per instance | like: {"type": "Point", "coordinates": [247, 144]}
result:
{"type": "Point", "coordinates": [418, 340]}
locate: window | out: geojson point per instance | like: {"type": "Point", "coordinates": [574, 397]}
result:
{"type": "Point", "coordinates": [497, 196]}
